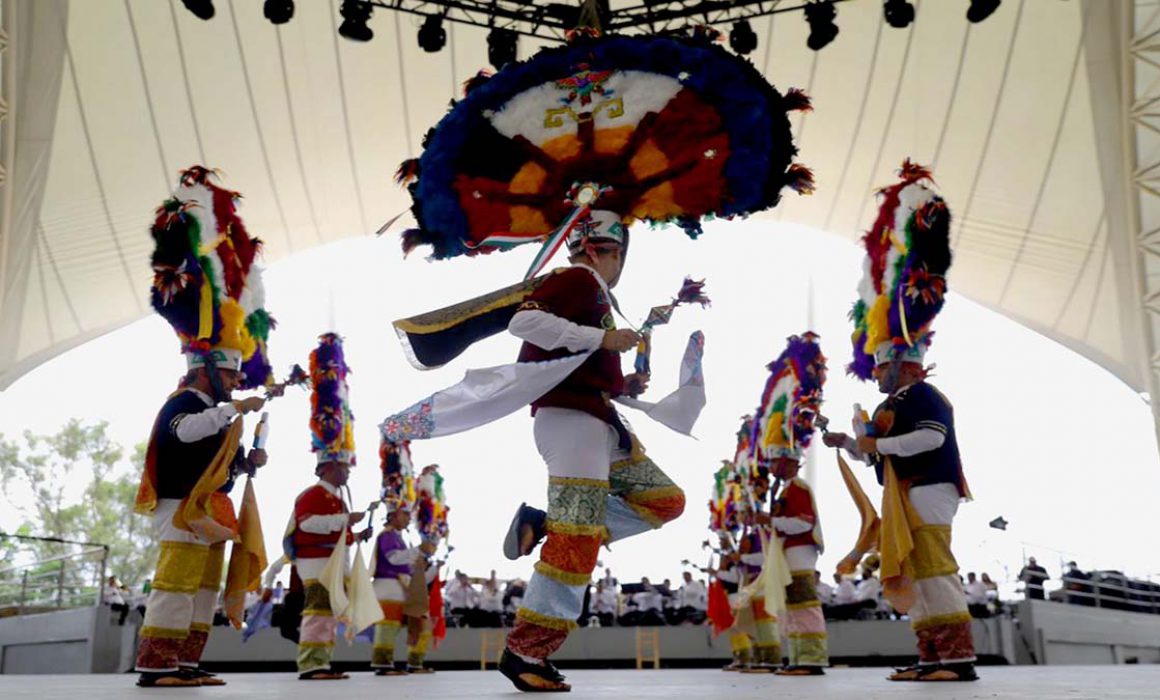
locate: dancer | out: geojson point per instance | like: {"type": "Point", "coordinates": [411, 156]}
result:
{"type": "Point", "coordinates": [395, 564]}
{"type": "Point", "coordinates": [910, 440]}
{"type": "Point", "coordinates": [206, 286]}
{"type": "Point", "coordinates": [783, 430]}
{"type": "Point", "coordinates": [321, 516]}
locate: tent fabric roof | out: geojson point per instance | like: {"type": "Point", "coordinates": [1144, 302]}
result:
{"type": "Point", "coordinates": [110, 98]}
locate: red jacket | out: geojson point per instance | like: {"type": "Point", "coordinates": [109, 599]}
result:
{"type": "Point", "coordinates": [575, 295]}
{"type": "Point", "coordinates": [316, 500]}
{"type": "Point", "coordinates": [797, 501]}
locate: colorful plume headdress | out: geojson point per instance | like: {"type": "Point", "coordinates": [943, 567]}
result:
{"type": "Point", "coordinates": [331, 422]}
{"type": "Point", "coordinates": [784, 425]}
{"type": "Point", "coordinates": [904, 284]}
{"type": "Point", "coordinates": [727, 502]}
{"type": "Point", "coordinates": [664, 129]}
{"type": "Point", "coordinates": [205, 282]}
{"type": "Point", "coordinates": [398, 490]}
{"type": "Point", "coordinates": [433, 508]}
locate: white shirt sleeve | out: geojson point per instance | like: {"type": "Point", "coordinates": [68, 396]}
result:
{"type": "Point", "coordinates": [191, 427]}
{"type": "Point", "coordinates": [753, 559]}
{"type": "Point", "coordinates": [792, 526]}
{"type": "Point", "coordinates": [550, 332]}
{"type": "Point", "coordinates": [729, 576]}
{"type": "Point", "coordinates": [324, 524]}
{"type": "Point", "coordinates": [273, 571]}
{"type": "Point", "coordinates": [917, 442]}
{"type": "Point", "coordinates": [403, 557]}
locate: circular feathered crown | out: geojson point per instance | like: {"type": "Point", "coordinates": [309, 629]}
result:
{"type": "Point", "coordinates": [331, 422]}
{"type": "Point", "coordinates": [398, 490]}
{"type": "Point", "coordinates": [791, 401]}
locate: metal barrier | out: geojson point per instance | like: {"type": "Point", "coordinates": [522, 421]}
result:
{"type": "Point", "coordinates": [1110, 590]}
{"type": "Point", "coordinates": [72, 580]}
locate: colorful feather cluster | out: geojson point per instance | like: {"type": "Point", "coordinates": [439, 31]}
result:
{"type": "Point", "coordinates": [903, 284]}
{"type": "Point", "coordinates": [398, 490]}
{"type": "Point", "coordinates": [678, 127]}
{"type": "Point", "coordinates": [331, 422]}
{"type": "Point", "coordinates": [725, 505]}
{"type": "Point", "coordinates": [433, 510]}
{"type": "Point", "coordinates": [205, 282]}
{"type": "Point", "coordinates": [791, 401]}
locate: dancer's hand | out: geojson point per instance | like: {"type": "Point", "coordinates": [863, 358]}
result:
{"type": "Point", "coordinates": [355, 518]}
{"type": "Point", "coordinates": [620, 340]}
{"type": "Point", "coordinates": [250, 404]}
{"type": "Point", "coordinates": [258, 457]}
{"type": "Point", "coordinates": [365, 534]}
{"type": "Point", "coordinates": [428, 548]}
{"type": "Point", "coordinates": [835, 439]}
{"type": "Point", "coordinates": [635, 384]}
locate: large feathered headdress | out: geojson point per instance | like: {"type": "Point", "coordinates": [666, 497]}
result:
{"type": "Point", "coordinates": [398, 475]}
{"type": "Point", "coordinates": [784, 424]}
{"type": "Point", "coordinates": [331, 422]}
{"type": "Point", "coordinates": [205, 282]}
{"type": "Point", "coordinates": [433, 510]}
{"type": "Point", "coordinates": [904, 277]}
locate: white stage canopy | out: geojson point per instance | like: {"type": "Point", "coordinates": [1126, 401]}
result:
{"type": "Point", "coordinates": [1036, 121]}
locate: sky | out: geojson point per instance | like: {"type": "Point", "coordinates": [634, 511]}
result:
{"type": "Point", "coordinates": [1050, 441]}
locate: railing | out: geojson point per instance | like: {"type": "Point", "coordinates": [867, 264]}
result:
{"type": "Point", "coordinates": [70, 580]}
{"type": "Point", "coordinates": [1109, 590]}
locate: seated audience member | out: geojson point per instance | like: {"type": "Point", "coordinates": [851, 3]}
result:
{"type": "Point", "coordinates": [461, 599]}
{"type": "Point", "coordinates": [976, 594]}
{"type": "Point", "coordinates": [490, 604]}
{"type": "Point", "coordinates": [115, 599]}
{"type": "Point", "coordinates": [645, 607]}
{"type": "Point", "coordinates": [605, 604]}
{"type": "Point", "coordinates": [690, 602]}
{"type": "Point", "coordinates": [513, 595]}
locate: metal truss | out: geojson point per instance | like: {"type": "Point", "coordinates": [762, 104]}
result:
{"type": "Point", "coordinates": [553, 20]}
{"type": "Point", "coordinates": [1140, 92]}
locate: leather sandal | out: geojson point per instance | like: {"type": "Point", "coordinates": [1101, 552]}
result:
{"type": "Point", "coordinates": [515, 543]}
{"type": "Point", "coordinates": [168, 679]}
{"type": "Point", "coordinates": [532, 678]}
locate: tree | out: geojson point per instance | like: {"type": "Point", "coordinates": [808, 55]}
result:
{"type": "Point", "coordinates": [76, 485]}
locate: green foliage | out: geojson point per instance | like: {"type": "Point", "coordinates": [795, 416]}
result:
{"type": "Point", "coordinates": [76, 485]}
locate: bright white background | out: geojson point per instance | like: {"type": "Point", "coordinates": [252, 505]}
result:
{"type": "Point", "coordinates": [1052, 442]}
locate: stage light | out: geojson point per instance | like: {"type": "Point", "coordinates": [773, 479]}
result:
{"type": "Point", "coordinates": [982, 9]}
{"type": "Point", "coordinates": [501, 47]}
{"type": "Point", "coordinates": [999, 523]}
{"type": "Point", "coordinates": [820, 16]}
{"type": "Point", "coordinates": [742, 38]}
{"type": "Point", "coordinates": [278, 11]}
{"type": "Point", "coordinates": [355, 14]}
{"type": "Point", "coordinates": [202, 9]}
{"type": "Point", "coordinates": [899, 13]}
{"type": "Point", "coordinates": [432, 35]}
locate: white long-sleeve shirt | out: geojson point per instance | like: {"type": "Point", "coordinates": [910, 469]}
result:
{"type": "Point", "coordinates": [692, 595]}
{"type": "Point", "coordinates": [605, 601]}
{"type": "Point", "coordinates": [550, 332]}
{"type": "Point", "coordinates": [905, 445]}
{"type": "Point", "coordinates": [326, 524]}
{"type": "Point", "coordinates": [976, 592]}
{"type": "Point", "coordinates": [191, 427]}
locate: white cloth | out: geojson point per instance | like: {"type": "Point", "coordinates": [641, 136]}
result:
{"type": "Point", "coordinates": [936, 504]}
{"type": "Point", "coordinates": [976, 592]}
{"type": "Point", "coordinates": [846, 593]}
{"type": "Point", "coordinates": [791, 526]}
{"type": "Point", "coordinates": [325, 524]}
{"type": "Point", "coordinates": [912, 443]}
{"type": "Point", "coordinates": [549, 331]}
{"type": "Point", "coordinates": [191, 427]}
{"type": "Point", "coordinates": [606, 601]}
{"type": "Point", "coordinates": [648, 600]}
{"type": "Point", "coordinates": [391, 589]}
{"type": "Point", "coordinates": [692, 595]}
{"type": "Point", "coordinates": [575, 444]}
{"type": "Point", "coordinates": [802, 557]}
{"type": "Point", "coordinates": [825, 592]}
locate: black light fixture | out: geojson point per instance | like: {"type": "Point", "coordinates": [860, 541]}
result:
{"type": "Point", "coordinates": [820, 16]}
{"type": "Point", "coordinates": [355, 15]}
{"type": "Point", "coordinates": [982, 9]}
{"type": "Point", "coordinates": [501, 47]}
{"type": "Point", "coordinates": [999, 523]}
{"type": "Point", "coordinates": [202, 9]}
{"type": "Point", "coordinates": [742, 38]}
{"type": "Point", "coordinates": [899, 13]}
{"type": "Point", "coordinates": [278, 11]}
{"type": "Point", "coordinates": [432, 35]}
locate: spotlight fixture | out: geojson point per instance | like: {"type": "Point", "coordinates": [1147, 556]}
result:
{"type": "Point", "coordinates": [202, 9]}
{"type": "Point", "coordinates": [820, 16]}
{"type": "Point", "coordinates": [432, 35]}
{"type": "Point", "coordinates": [355, 14]}
{"type": "Point", "coordinates": [899, 13]}
{"type": "Point", "coordinates": [742, 38]}
{"type": "Point", "coordinates": [999, 523]}
{"type": "Point", "coordinates": [501, 47]}
{"type": "Point", "coordinates": [278, 11]}
{"type": "Point", "coordinates": [982, 9]}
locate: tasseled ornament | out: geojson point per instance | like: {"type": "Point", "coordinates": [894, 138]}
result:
{"type": "Point", "coordinates": [407, 172]}
{"type": "Point", "coordinates": [796, 100]}
{"type": "Point", "coordinates": [692, 292]}
{"type": "Point", "coordinates": [800, 179]}
{"type": "Point", "coordinates": [412, 238]}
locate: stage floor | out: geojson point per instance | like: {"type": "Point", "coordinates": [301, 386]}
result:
{"type": "Point", "coordinates": [1040, 682]}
